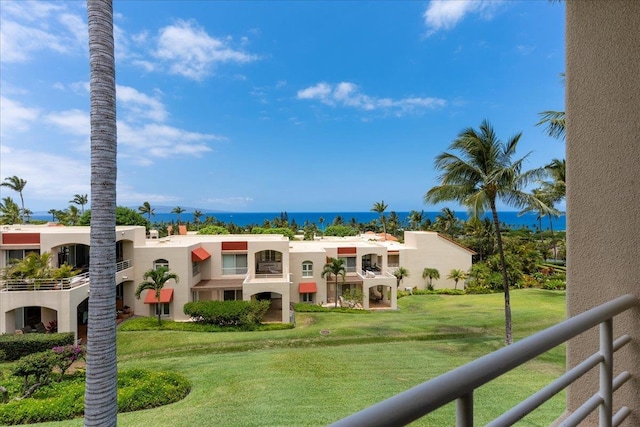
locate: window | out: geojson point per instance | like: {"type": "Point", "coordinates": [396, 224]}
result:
{"type": "Point", "coordinates": [270, 256]}
{"type": "Point", "coordinates": [195, 268]}
{"type": "Point", "coordinates": [163, 309]}
{"type": "Point", "coordinates": [233, 295]}
{"type": "Point", "coordinates": [307, 297]}
{"type": "Point", "coordinates": [307, 269]}
{"type": "Point", "coordinates": [349, 263]}
{"type": "Point", "coordinates": [234, 264]}
{"type": "Point", "coordinates": [160, 263]}
{"type": "Point", "coordinates": [19, 254]}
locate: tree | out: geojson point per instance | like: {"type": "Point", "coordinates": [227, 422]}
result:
{"type": "Point", "coordinates": [447, 222]}
{"type": "Point", "coordinates": [430, 273]}
{"type": "Point", "coordinates": [196, 216]}
{"type": "Point", "coordinates": [146, 209]}
{"type": "Point", "coordinates": [53, 213]}
{"type": "Point", "coordinates": [101, 405]}
{"type": "Point", "coordinates": [557, 187]}
{"type": "Point", "coordinates": [380, 207]}
{"type": "Point", "coordinates": [10, 211]}
{"type": "Point", "coordinates": [554, 121]}
{"type": "Point", "coordinates": [400, 274]}
{"type": "Point", "coordinates": [457, 275]}
{"type": "Point", "coordinates": [483, 172]}
{"type": "Point", "coordinates": [80, 199]}
{"type": "Point", "coordinates": [415, 219]}
{"type": "Point", "coordinates": [154, 280]}
{"type": "Point", "coordinates": [178, 210]}
{"type": "Point", "coordinates": [16, 184]}
{"type": "Point", "coordinates": [72, 216]}
{"type": "Point", "coordinates": [335, 267]}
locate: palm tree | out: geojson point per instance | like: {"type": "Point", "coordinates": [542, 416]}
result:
{"type": "Point", "coordinates": [400, 274]}
{"type": "Point", "coordinates": [335, 267]}
{"type": "Point", "coordinates": [53, 213]}
{"type": "Point", "coordinates": [155, 279]}
{"type": "Point", "coordinates": [457, 275]}
{"type": "Point", "coordinates": [430, 273]}
{"type": "Point", "coordinates": [380, 207]}
{"type": "Point", "coordinates": [321, 221]}
{"type": "Point", "coordinates": [196, 216]}
{"type": "Point", "coordinates": [16, 184]}
{"type": "Point", "coordinates": [27, 214]}
{"type": "Point", "coordinates": [483, 173]}
{"type": "Point", "coordinates": [447, 222]}
{"type": "Point", "coordinates": [146, 209]}
{"type": "Point", "coordinates": [178, 210]}
{"type": "Point", "coordinates": [557, 187]}
{"type": "Point", "coordinates": [542, 204]}
{"type": "Point", "coordinates": [554, 120]}
{"type": "Point", "coordinates": [416, 218]}
{"type": "Point", "coordinates": [10, 211]}
{"type": "Point", "coordinates": [101, 404]}
{"type": "Point", "coordinates": [80, 199]}
{"type": "Point", "coordinates": [72, 215]}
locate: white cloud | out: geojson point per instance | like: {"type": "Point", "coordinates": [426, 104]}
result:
{"type": "Point", "coordinates": [75, 122]}
{"type": "Point", "coordinates": [140, 106]}
{"type": "Point", "coordinates": [15, 117]}
{"type": "Point", "coordinates": [230, 201]}
{"type": "Point", "coordinates": [446, 14]}
{"type": "Point", "coordinates": [190, 52]}
{"type": "Point", "coordinates": [348, 94]}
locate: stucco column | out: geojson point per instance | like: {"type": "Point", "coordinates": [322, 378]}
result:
{"type": "Point", "coordinates": [603, 181]}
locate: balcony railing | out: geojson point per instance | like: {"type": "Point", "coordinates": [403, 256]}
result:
{"type": "Point", "coordinates": [460, 383]}
{"type": "Point", "coordinates": [44, 284]}
{"type": "Point", "coordinates": [230, 271]}
{"type": "Point", "coordinates": [123, 265]}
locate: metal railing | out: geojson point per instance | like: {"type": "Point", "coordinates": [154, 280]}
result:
{"type": "Point", "coordinates": [460, 383]}
{"type": "Point", "coordinates": [44, 284]}
{"type": "Point", "coordinates": [123, 265]}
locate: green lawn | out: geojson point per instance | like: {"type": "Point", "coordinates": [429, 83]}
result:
{"type": "Point", "coordinates": [300, 377]}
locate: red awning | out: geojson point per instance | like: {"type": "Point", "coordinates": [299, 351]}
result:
{"type": "Point", "coordinates": [199, 255]}
{"type": "Point", "coordinates": [166, 295]}
{"type": "Point", "coordinates": [307, 288]}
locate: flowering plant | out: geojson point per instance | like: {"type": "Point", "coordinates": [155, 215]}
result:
{"type": "Point", "coordinates": [66, 355]}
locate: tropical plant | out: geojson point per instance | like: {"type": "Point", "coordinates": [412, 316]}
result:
{"type": "Point", "coordinates": [483, 172]}
{"type": "Point", "coordinates": [10, 211]}
{"type": "Point", "coordinates": [32, 266]}
{"type": "Point", "coordinates": [146, 209]}
{"type": "Point", "coordinates": [380, 207]}
{"type": "Point", "coordinates": [80, 199]}
{"type": "Point", "coordinates": [124, 216]}
{"type": "Point", "coordinates": [400, 274]}
{"type": "Point", "coordinates": [178, 210]}
{"type": "Point", "coordinates": [101, 407]}
{"type": "Point", "coordinates": [53, 213]}
{"type": "Point", "coordinates": [154, 280]}
{"type": "Point", "coordinates": [447, 222]}
{"type": "Point", "coordinates": [17, 185]}
{"type": "Point", "coordinates": [430, 273]}
{"type": "Point", "coordinates": [415, 219]}
{"type": "Point", "coordinates": [554, 122]}
{"type": "Point", "coordinates": [456, 275]}
{"type": "Point", "coordinates": [197, 214]}
{"type": "Point", "coordinates": [556, 188]}
{"type": "Point", "coordinates": [72, 215]}
{"type": "Point", "coordinates": [335, 267]}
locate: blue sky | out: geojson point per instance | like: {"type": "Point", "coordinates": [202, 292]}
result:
{"type": "Point", "coordinates": [275, 106]}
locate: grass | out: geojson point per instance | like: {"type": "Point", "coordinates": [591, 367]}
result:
{"type": "Point", "coordinates": [299, 377]}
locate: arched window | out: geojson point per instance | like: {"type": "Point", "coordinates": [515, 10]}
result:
{"type": "Point", "coordinates": [160, 263]}
{"type": "Point", "coordinates": [307, 269]}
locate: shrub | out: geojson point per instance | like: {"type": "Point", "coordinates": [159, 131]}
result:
{"type": "Point", "coordinates": [17, 346]}
{"type": "Point", "coordinates": [35, 369]}
{"type": "Point", "coordinates": [227, 313]}
{"type": "Point", "coordinates": [554, 284]}
{"type": "Point", "coordinates": [303, 307]}
{"type": "Point", "coordinates": [66, 355]}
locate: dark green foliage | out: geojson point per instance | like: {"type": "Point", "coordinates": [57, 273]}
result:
{"type": "Point", "coordinates": [124, 216]}
{"type": "Point", "coordinates": [17, 346]}
{"type": "Point", "coordinates": [213, 229]}
{"type": "Point", "coordinates": [227, 313]}
{"type": "Point", "coordinates": [340, 230]}
{"type": "Point", "coordinates": [137, 389]}
{"type": "Point", "coordinates": [35, 369]}
{"type": "Point", "coordinates": [444, 291]}
{"type": "Point", "coordinates": [149, 324]}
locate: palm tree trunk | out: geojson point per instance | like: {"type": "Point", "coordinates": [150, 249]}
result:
{"type": "Point", "coordinates": [508, 335]}
{"type": "Point", "coordinates": [101, 392]}
{"type": "Point", "coordinates": [553, 239]}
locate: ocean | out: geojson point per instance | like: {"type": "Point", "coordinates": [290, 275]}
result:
{"type": "Point", "coordinates": [246, 218]}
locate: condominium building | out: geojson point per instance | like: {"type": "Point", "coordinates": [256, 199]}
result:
{"type": "Point", "coordinates": [217, 267]}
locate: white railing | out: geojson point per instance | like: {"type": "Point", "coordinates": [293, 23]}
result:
{"type": "Point", "coordinates": [123, 265]}
{"type": "Point", "coordinates": [460, 383]}
{"type": "Point", "coordinates": [44, 284]}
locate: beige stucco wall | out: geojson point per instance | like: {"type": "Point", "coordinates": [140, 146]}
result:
{"type": "Point", "coordinates": [603, 180]}
{"type": "Point", "coordinates": [428, 249]}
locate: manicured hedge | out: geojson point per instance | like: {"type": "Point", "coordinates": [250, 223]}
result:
{"type": "Point", "coordinates": [16, 346]}
{"type": "Point", "coordinates": [305, 307]}
{"type": "Point", "coordinates": [227, 313]}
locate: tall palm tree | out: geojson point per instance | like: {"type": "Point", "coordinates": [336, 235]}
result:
{"type": "Point", "coordinates": [146, 209]}
{"type": "Point", "coordinates": [430, 273]}
{"type": "Point", "coordinates": [80, 199]}
{"type": "Point", "coordinates": [178, 210]}
{"type": "Point", "coordinates": [197, 214]}
{"type": "Point", "coordinates": [72, 215]}
{"type": "Point", "coordinates": [416, 218]}
{"type": "Point", "coordinates": [380, 207]}
{"type": "Point", "coordinates": [447, 222]}
{"type": "Point", "coordinates": [155, 279]}
{"type": "Point", "coordinates": [16, 184]}
{"type": "Point", "coordinates": [457, 275]}
{"type": "Point", "coordinates": [53, 213]}
{"type": "Point", "coordinates": [555, 123]}
{"type": "Point", "coordinates": [101, 405]}
{"type": "Point", "coordinates": [557, 187]}
{"type": "Point", "coordinates": [335, 267]}
{"type": "Point", "coordinates": [483, 173]}
{"type": "Point", "coordinates": [9, 211]}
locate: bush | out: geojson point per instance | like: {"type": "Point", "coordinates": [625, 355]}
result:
{"type": "Point", "coordinates": [304, 307]}
{"type": "Point", "coordinates": [151, 324]}
{"type": "Point", "coordinates": [227, 313]}
{"type": "Point", "coordinates": [17, 346]}
{"type": "Point", "coordinates": [35, 369]}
